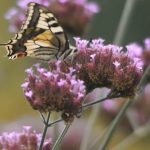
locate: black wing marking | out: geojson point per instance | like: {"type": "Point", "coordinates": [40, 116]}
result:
{"type": "Point", "coordinates": [41, 31]}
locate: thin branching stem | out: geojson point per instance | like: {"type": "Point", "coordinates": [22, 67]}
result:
{"type": "Point", "coordinates": [96, 109]}
{"type": "Point", "coordinates": [45, 131]}
{"type": "Point", "coordinates": [60, 138]}
{"type": "Point", "coordinates": [120, 115]}
{"type": "Point", "coordinates": [54, 122]}
{"type": "Point", "coordinates": [145, 79]}
{"type": "Point", "coordinates": [89, 127]}
{"type": "Point", "coordinates": [85, 106]}
{"type": "Point", "coordinates": [42, 116]}
{"type": "Point", "coordinates": [120, 34]}
{"type": "Point", "coordinates": [124, 21]}
{"type": "Point", "coordinates": [139, 133]}
{"type": "Point", "coordinates": [114, 125]}
{"type": "Point", "coordinates": [47, 124]}
{"type": "Point", "coordinates": [95, 142]}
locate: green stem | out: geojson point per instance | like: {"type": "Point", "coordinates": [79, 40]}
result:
{"type": "Point", "coordinates": [124, 21]}
{"type": "Point", "coordinates": [114, 125]}
{"type": "Point", "coordinates": [120, 34]}
{"type": "Point", "coordinates": [42, 116]}
{"type": "Point", "coordinates": [133, 121]}
{"type": "Point", "coordinates": [55, 130]}
{"type": "Point", "coordinates": [54, 122]}
{"type": "Point", "coordinates": [45, 131]}
{"type": "Point", "coordinates": [86, 105]}
{"type": "Point", "coordinates": [118, 118]}
{"type": "Point", "coordinates": [94, 144]}
{"type": "Point", "coordinates": [140, 132]}
{"type": "Point", "coordinates": [145, 78]}
{"type": "Point", "coordinates": [60, 138]}
{"type": "Point", "coordinates": [89, 127]}
{"type": "Point", "coordinates": [92, 119]}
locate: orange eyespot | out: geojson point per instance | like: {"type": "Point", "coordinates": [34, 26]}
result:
{"type": "Point", "coordinates": [21, 54]}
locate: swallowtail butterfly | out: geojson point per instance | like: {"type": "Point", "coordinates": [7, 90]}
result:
{"type": "Point", "coordinates": [40, 36]}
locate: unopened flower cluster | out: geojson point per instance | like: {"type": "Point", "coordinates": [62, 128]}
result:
{"type": "Point", "coordinates": [100, 65]}
{"type": "Point", "coordinates": [54, 90]}
{"type": "Point", "coordinates": [27, 139]}
{"type": "Point", "coordinates": [73, 15]}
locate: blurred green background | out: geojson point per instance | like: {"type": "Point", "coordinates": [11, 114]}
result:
{"type": "Point", "coordinates": [13, 105]}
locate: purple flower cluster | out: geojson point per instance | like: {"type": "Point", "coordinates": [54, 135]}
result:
{"type": "Point", "coordinates": [15, 18]}
{"type": "Point", "coordinates": [73, 15]}
{"type": "Point", "coordinates": [24, 3]}
{"type": "Point", "coordinates": [138, 53]}
{"type": "Point", "coordinates": [97, 64]}
{"type": "Point", "coordinates": [141, 56]}
{"type": "Point", "coordinates": [54, 91]}
{"type": "Point", "coordinates": [109, 66]}
{"type": "Point", "coordinates": [146, 53]}
{"type": "Point", "coordinates": [25, 140]}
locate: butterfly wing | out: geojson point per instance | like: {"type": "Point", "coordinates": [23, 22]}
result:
{"type": "Point", "coordinates": [40, 36]}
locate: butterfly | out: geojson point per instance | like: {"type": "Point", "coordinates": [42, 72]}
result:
{"type": "Point", "coordinates": [40, 36]}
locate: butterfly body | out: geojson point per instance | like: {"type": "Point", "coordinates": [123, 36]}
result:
{"type": "Point", "coordinates": [40, 36]}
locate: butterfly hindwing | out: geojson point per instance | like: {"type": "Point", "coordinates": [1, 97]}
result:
{"type": "Point", "coordinates": [40, 36]}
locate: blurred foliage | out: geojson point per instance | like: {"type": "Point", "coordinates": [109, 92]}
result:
{"type": "Point", "coordinates": [106, 22]}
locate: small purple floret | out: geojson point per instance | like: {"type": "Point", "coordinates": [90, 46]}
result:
{"type": "Point", "coordinates": [24, 140]}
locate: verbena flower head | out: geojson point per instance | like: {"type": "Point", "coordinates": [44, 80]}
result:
{"type": "Point", "coordinates": [140, 54]}
{"type": "Point", "coordinates": [112, 107]}
{"type": "Point", "coordinates": [27, 139]}
{"type": "Point", "coordinates": [146, 53]}
{"type": "Point", "coordinates": [135, 51]}
{"type": "Point", "coordinates": [73, 15]}
{"type": "Point", "coordinates": [15, 18]}
{"type": "Point", "coordinates": [54, 91]}
{"type": "Point", "coordinates": [24, 3]}
{"type": "Point", "coordinates": [101, 65]}
{"type": "Point", "coordinates": [147, 43]}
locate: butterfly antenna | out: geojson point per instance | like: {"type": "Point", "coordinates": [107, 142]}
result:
{"type": "Point", "coordinates": [4, 44]}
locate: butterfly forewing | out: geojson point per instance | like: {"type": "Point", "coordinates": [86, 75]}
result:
{"type": "Point", "coordinates": [40, 36]}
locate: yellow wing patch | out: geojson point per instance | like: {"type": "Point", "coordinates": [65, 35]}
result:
{"type": "Point", "coordinates": [46, 36]}
{"type": "Point", "coordinates": [45, 40]}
